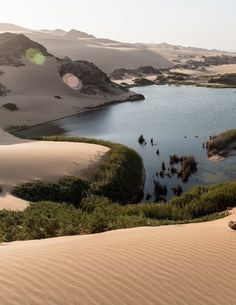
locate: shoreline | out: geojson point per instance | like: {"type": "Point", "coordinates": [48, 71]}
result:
{"type": "Point", "coordinates": [17, 129]}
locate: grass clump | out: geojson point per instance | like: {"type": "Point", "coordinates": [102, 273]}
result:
{"type": "Point", "coordinates": [222, 143]}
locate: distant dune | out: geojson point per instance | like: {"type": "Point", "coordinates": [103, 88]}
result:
{"type": "Point", "coordinates": [9, 27]}
{"type": "Point", "coordinates": [108, 54]}
{"type": "Point", "coordinates": [172, 265]}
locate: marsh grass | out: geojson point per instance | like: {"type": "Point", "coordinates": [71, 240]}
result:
{"type": "Point", "coordinates": [222, 143]}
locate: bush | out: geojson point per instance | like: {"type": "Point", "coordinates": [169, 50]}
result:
{"type": "Point", "coordinates": [98, 214]}
{"type": "Point", "coordinates": [121, 175]}
{"type": "Point", "coordinates": [37, 191]}
{"type": "Point", "coordinates": [222, 143]}
{"type": "Point", "coordinates": [68, 189]}
{"type": "Point", "coordinates": [72, 190]}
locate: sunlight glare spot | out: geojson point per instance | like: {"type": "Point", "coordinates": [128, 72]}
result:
{"type": "Point", "coordinates": [72, 81]}
{"type": "Point", "coordinates": [35, 56]}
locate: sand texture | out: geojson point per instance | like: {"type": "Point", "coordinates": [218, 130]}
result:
{"type": "Point", "coordinates": [172, 265]}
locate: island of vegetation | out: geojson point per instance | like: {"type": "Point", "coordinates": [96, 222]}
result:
{"type": "Point", "coordinates": [222, 144]}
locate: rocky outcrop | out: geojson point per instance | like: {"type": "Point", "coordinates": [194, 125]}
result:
{"type": "Point", "coordinates": [220, 60]}
{"type": "Point", "coordinates": [93, 79]}
{"type": "Point", "coordinates": [14, 46]}
{"type": "Point", "coordinates": [226, 79]}
{"type": "Point", "coordinates": [232, 225]}
{"type": "Point", "coordinates": [140, 82]}
{"type": "Point", "coordinates": [135, 97]}
{"type": "Point", "coordinates": [121, 73]}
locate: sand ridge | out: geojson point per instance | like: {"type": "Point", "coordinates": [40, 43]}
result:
{"type": "Point", "coordinates": [171, 265]}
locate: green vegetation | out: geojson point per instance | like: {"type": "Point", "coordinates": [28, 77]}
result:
{"type": "Point", "coordinates": [98, 214]}
{"type": "Point", "coordinates": [68, 189]}
{"type": "Point", "coordinates": [222, 143]}
{"type": "Point", "coordinates": [120, 178]}
{"type": "Point", "coordinates": [73, 206]}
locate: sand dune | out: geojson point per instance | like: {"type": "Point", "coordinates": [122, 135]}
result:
{"type": "Point", "coordinates": [105, 55]}
{"type": "Point", "coordinates": [173, 265]}
{"type": "Point", "coordinates": [24, 161]}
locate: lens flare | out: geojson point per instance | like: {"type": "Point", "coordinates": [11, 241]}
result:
{"type": "Point", "coordinates": [72, 81]}
{"type": "Point", "coordinates": [35, 56]}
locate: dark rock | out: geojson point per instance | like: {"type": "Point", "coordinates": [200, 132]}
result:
{"type": "Point", "coordinates": [10, 106]}
{"type": "Point", "coordinates": [92, 78]}
{"type": "Point", "coordinates": [135, 97]}
{"type": "Point", "coordinates": [232, 225]}
{"type": "Point", "coordinates": [58, 97]}
{"type": "Point", "coordinates": [143, 82]}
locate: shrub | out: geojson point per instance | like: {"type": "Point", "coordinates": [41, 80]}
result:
{"type": "Point", "coordinates": [50, 219]}
{"type": "Point", "coordinates": [37, 191]}
{"type": "Point", "coordinates": [99, 214]}
{"type": "Point", "coordinates": [72, 190]}
{"type": "Point", "coordinates": [68, 189]}
{"type": "Point", "coordinates": [221, 143]}
{"type": "Point", "coordinates": [121, 175]}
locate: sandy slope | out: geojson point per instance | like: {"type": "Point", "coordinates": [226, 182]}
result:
{"type": "Point", "coordinates": [24, 161]}
{"type": "Point", "coordinates": [32, 89]}
{"type": "Point", "coordinates": [173, 265]}
{"type": "Point", "coordinates": [105, 54]}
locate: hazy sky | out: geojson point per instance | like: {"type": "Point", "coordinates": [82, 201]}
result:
{"type": "Point", "coordinates": [203, 23]}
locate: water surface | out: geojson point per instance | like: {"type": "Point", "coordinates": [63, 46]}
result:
{"type": "Point", "coordinates": [168, 115]}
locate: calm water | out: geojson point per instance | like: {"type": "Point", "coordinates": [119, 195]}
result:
{"type": "Point", "coordinates": [167, 115]}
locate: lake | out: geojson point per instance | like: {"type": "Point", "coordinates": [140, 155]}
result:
{"type": "Point", "coordinates": [179, 119]}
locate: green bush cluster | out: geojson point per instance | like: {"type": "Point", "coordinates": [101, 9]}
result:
{"type": "Point", "coordinates": [98, 214]}
{"type": "Point", "coordinates": [68, 189]}
{"type": "Point", "coordinates": [73, 206]}
{"type": "Point", "coordinates": [120, 178]}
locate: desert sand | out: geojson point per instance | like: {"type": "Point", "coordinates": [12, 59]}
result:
{"type": "Point", "coordinates": [24, 161]}
{"type": "Point", "coordinates": [172, 265]}
{"type": "Point", "coordinates": [33, 89]}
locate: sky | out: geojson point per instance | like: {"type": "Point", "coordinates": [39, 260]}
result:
{"type": "Point", "coordinates": [201, 23]}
